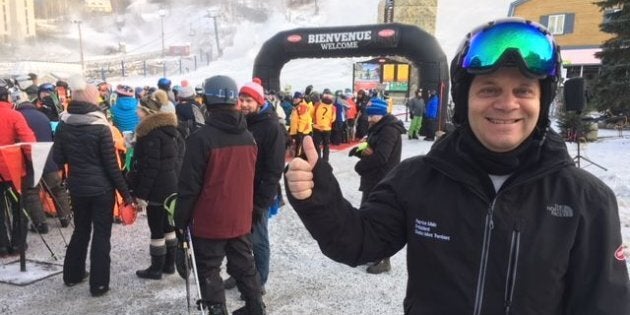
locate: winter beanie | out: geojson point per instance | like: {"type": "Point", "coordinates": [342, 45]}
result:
{"type": "Point", "coordinates": [255, 91]}
{"type": "Point", "coordinates": [377, 107]}
{"type": "Point", "coordinates": [161, 97]}
{"type": "Point", "coordinates": [186, 92]}
{"type": "Point", "coordinates": [149, 105]}
{"type": "Point", "coordinates": [81, 91]}
{"type": "Point", "coordinates": [125, 90]}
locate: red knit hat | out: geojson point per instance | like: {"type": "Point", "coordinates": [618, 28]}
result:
{"type": "Point", "coordinates": [255, 91]}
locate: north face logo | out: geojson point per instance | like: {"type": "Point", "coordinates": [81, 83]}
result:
{"type": "Point", "coordinates": [561, 211]}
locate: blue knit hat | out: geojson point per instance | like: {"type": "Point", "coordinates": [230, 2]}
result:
{"type": "Point", "coordinates": [377, 107]}
{"type": "Point", "coordinates": [298, 95]}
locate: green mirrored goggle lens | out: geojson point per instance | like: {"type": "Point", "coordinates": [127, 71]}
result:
{"type": "Point", "coordinates": [536, 48]}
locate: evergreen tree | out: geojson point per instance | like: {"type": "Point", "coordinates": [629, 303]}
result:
{"type": "Point", "coordinates": [612, 89]}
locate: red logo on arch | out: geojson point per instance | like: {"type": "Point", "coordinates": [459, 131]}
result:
{"type": "Point", "coordinates": [294, 38]}
{"type": "Point", "coordinates": [619, 253]}
{"type": "Point", "coordinates": [388, 32]}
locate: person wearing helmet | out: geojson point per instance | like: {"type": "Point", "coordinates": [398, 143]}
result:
{"type": "Point", "coordinates": [164, 84]}
{"type": "Point", "coordinates": [216, 198]}
{"type": "Point", "coordinates": [496, 218]}
{"type": "Point", "coordinates": [48, 102]}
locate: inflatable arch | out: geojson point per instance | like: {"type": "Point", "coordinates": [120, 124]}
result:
{"type": "Point", "coordinates": [393, 39]}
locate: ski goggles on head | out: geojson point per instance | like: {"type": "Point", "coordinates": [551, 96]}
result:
{"type": "Point", "coordinates": [512, 41]}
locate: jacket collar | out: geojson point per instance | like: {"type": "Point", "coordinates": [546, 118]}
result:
{"type": "Point", "coordinates": [155, 121]}
{"type": "Point", "coordinates": [450, 158]}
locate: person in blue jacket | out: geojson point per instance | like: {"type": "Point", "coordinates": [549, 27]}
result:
{"type": "Point", "coordinates": [431, 116]}
{"type": "Point", "coordinates": [124, 111]}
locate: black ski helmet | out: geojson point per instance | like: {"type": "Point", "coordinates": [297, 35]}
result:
{"type": "Point", "coordinates": [220, 90]}
{"type": "Point", "coordinates": [461, 79]}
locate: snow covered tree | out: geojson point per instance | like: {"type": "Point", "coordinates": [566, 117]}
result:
{"type": "Point", "coordinates": [612, 89]}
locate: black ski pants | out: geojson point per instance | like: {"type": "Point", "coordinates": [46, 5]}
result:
{"type": "Point", "coordinates": [158, 221]}
{"type": "Point", "coordinates": [209, 255]}
{"type": "Point", "coordinates": [97, 212]}
{"type": "Point", "coordinates": [321, 140]}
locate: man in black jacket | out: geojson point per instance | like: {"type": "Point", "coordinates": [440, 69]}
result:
{"type": "Point", "coordinates": [496, 218]}
{"type": "Point", "coordinates": [215, 199]}
{"type": "Point", "coordinates": [263, 123]}
{"type": "Point", "coordinates": [379, 155]}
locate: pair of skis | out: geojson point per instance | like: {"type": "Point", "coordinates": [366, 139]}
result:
{"type": "Point", "coordinates": [188, 251]}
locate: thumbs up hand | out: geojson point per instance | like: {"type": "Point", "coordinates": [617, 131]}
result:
{"type": "Point", "coordinates": [300, 172]}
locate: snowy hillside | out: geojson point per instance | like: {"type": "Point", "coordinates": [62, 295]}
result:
{"type": "Point", "coordinates": [139, 29]}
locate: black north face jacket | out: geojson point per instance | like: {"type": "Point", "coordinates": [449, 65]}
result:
{"type": "Point", "coordinates": [548, 242]}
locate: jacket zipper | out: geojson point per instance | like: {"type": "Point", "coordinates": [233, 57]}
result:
{"type": "Point", "coordinates": [481, 280]}
{"type": "Point", "coordinates": [510, 282]}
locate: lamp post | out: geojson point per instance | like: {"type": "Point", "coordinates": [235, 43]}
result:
{"type": "Point", "coordinates": [162, 14]}
{"type": "Point", "coordinates": [78, 23]}
{"type": "Point", "coordinates": [213, 14]}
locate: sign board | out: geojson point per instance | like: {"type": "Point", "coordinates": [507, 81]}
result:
{"type": "Point", "coordinates": [367, 76]}
{"type": "Point", "coordinates": [335, 41]}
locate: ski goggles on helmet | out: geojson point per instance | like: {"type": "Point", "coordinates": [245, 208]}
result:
{"type": "Point", "coordinates": [512, 41]}
{"type": "Point", "coordinates": [47, 87]}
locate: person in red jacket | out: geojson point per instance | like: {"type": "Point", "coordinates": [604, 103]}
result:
{"type": "Point", "coordinates": [13, 129]}
{"type": "Point", "coordinates": [216, 199]}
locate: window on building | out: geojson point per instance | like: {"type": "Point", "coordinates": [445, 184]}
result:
{"type": "Point", "coordinates": [559, 24]}
{"type": "Point", "coordinates": [556, 24]}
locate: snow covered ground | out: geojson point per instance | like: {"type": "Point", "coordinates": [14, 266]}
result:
{"type": "Point", "coordinates": [302, 279]}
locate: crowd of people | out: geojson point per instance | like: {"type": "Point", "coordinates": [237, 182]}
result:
{"type": "Point", "coordinates": [122, 146]}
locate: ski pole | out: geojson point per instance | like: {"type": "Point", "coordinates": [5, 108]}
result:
{"type": "Point", "coordinates": [40, 235]}
{"type": "Point", "coordinates": [56, 201]}
{"type": "Point", "coordinates": [58, 205]}
{"type": "Point", "coordinates": [28, 217]}
{"type": "Point", "coordinates": [187, 266]}
{"type": "Point", "coordinates": [194, 268]}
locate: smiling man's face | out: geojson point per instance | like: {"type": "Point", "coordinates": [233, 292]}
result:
{"type": "Point", "coordinates": [503, 108]}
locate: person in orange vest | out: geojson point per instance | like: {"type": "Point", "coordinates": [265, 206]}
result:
{"type": "Point", "coordinates": [351, 114]}
{"type": "Point", "coordinates": [324, 116]}
{"type": "Point", "coordinates": [13, 129]}
{"type": "Point", "coordinates": [301, 122]}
